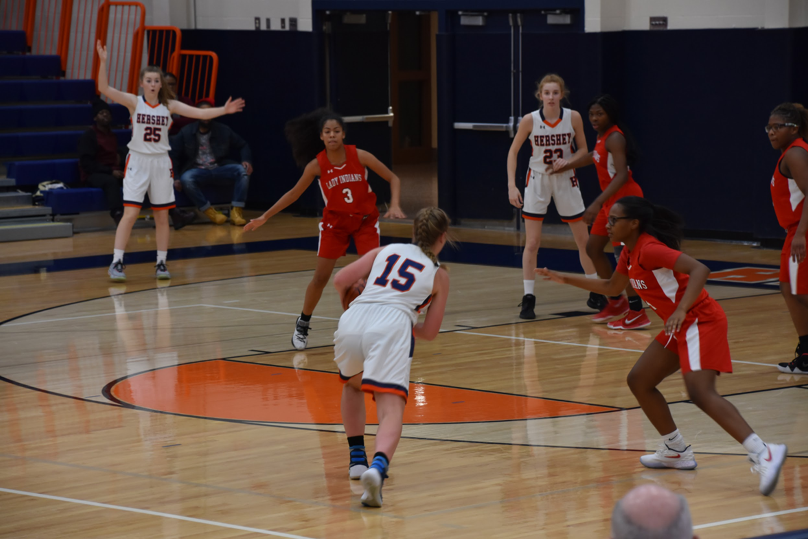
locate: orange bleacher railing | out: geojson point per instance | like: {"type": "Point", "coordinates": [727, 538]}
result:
{"type": "Point", "coordinates": [78, 47]}
{"type": "Point", "coordinates": [124, 23]}
{"type": "Point", "coordinates": [197, 74]}
{"type": "Point", "coordinates": [162, 42]}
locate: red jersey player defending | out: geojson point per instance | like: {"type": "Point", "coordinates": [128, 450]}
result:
{"type": "Point", "coordinates": [694, 338]}
{"type": "Point", "coordinates": [613, 155]}
{"type": "Point", "coordinates": [350, 205]}
{"type": "Point", "coordinates": [788, 132]}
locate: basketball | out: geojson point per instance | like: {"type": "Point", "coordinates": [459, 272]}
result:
{"type": "Point", "coordinates": [353, 292]}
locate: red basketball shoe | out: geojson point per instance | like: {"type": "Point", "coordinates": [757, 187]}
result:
{"type": "Point", "coordinates": [617, 308]}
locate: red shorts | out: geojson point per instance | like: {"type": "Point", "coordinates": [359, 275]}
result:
{"type": "Point", "coordinates": [337, 229]}
{"type": "Point", "coordinates": [790, 271]}
{"type": "Point", "coordinates": [701, 343]}
{"type": "Point", "coordinates": [599, 226]}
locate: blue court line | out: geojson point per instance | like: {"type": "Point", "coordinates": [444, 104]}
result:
{"type": "Point", "coordinates": [508, 256]}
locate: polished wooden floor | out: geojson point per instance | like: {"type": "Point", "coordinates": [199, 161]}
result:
{"type": "Point", "coordinates": [143, 410]}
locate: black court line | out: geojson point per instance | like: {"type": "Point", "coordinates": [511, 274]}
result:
{"type": "Point", "coordinates": [4, 379]}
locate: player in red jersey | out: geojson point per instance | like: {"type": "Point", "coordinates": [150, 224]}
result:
{"type": "Point", "coordinates": [788, 132]}
{"type": "Point", "coordinates": [350, 204]}
{"type": "Point", "coordinates": [613, 156]}
{"type": "Point", "coordinates": [694, 338]}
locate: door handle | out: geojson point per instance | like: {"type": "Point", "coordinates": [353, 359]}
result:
{"type": "Point", "coordinates": [479, 126]}
{"type": "Point", "coordinates": [371, 117]}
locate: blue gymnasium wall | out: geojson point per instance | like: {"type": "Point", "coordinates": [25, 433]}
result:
{"type": "Point", "coordinates": [276, 75]}
{"type": "Point", "coordinates": [696, 101]}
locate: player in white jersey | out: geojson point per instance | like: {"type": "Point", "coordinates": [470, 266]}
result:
{"type": "Point", "coordinates": [552, 131]}
{"type": "Point", "coordinates": [148, 166]}
{"type": "Point", "coordinates": [376, 336]}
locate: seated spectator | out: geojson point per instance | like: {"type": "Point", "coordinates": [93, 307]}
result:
{"type": "Point", "coordinates": [652, 512]}
{"type": "Point", "coordinates": [206, 146]}
{"type": "Point", "coordinates": [178, 122]}
{"type": "Point", "coordinates": [100, 164]}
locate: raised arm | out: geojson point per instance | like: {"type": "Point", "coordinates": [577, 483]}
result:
{"type": "Point", "coordinates": [207, 113]}
{"type": "Point", "coordinates": [430, 327]}
{"type": "Point", "coordinates": [369, 160]}
{"type": "Point", "coordinates": [525, 127]}
{"type": "Point", "coordinates": [127, 100]}
{"type": "Point", "coordinates": [311, 171]}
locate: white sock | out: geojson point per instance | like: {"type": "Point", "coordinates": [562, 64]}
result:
{"type": "Point", "coordinates": [529, 286]}
{"type": "Point", "coordinates": [754, 445]}
{"type": "Point", "coordinates": [161, 256]}
{"type": "Point", "coordinates": [675, 440]}
{"type": "Point", "coordinates": [591, 275]}
{"type": "Point", "coordinates": [117, 254]}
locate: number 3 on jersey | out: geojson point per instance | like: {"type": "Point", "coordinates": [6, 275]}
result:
{"type": "Point", "coordinates": [402, 286]}
{"type": "Point", "coordinates": [348, 195]}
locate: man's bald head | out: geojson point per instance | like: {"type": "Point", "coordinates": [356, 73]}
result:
{"type": "Point", "coordinates": [652, 512]}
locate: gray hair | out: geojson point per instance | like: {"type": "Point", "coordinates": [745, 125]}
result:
{"type": "Point", "coordinates": [678, 527]}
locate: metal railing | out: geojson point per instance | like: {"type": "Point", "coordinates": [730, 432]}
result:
{"type": "Point", "coordinates": [197, 74]}
{"type": "Point", "coordinates": [162, 44]}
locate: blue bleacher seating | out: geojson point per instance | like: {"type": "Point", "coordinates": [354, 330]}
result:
{"type": "Point", "coordinates": [78, 200]}
{"type": "Point", "coordinates": [12, 41]}
{"type": "Point", "coordinates": [30, 66]}
{"type": "Point", "coordinates": [35, 172]}
{"type": "Point", "coordinates": [49, 142]}
{"type": "Point", "coordinates": [34, 116]}
{"type": "Point", "coordinates": [12, 91]}
{"type": "Point", "coordinates": [87, 199]}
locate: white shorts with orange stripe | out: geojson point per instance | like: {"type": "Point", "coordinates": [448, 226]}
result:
{"type": "Point", "coordinates": [563, 188]}
{"type": "Point", "coordinates": [701, 343]}
{"type": "Point", "coordinates": [375, 340]}
{"type": "Point", "coordinates": [152, 175]}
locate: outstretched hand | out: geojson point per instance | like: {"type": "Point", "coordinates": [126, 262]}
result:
{"type": "Point", "coordinates": [102, 51]}
{"type": "Point", "coordinates": [232, 107]}
{"type": "Point", "coordinates": [255, 223]}
{"type": "Point", "coordinates": [551, 275]}
{"type": "Point", "coordinates": [394, 213]}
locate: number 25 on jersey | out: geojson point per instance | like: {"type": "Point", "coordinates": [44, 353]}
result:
{"type": "Point", "coordinates": [407, 277]}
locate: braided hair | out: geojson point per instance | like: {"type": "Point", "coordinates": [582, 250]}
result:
{"type": "Point", "coordinates": [303, 133]}
{"type": "Point", "coordinates": [794, 113]}
{"type": "Point", "coordinates": [660, 222]}
{"type": "Point", "coordinates": [429, 224]}
{"type": "Point", "coordinates": [612, 110]}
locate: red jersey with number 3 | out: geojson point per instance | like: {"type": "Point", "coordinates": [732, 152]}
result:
{"type": "Point", "coordinates": [604, 163]}
{"type": "Point", "coordinates": [649, 267]}
{"type": "Point", "coordinates": [786, 195]}
{"type": "Point", "coordinates": [345, 187]}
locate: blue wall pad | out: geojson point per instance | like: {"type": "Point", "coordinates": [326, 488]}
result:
{"type": "Point", "coordinates": [56, 142]}
{"type": "Point", "coordinates": [30, 66]}
{"type": "Point", "coordinates": [34, 172]}
{"type": "Point", "coordinates": [12, 41]}
{"type": "Point", "coordinates": [12, 91]}
{"type": "Point", "coordinates": [36, 116]}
